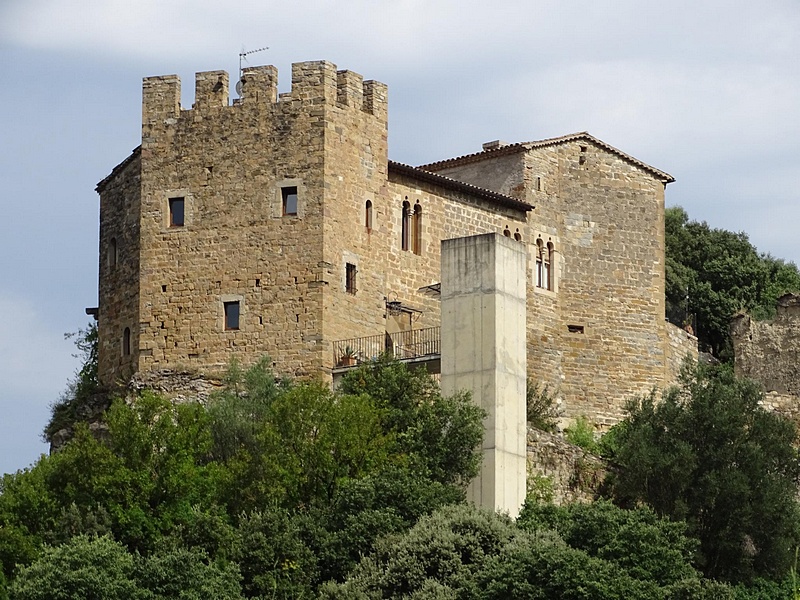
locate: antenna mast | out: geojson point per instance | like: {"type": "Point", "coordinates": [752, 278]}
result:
{"type": "Point", "coordinates": [243, 55]}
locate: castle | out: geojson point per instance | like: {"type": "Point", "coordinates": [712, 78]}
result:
{"type": "Point", "coordinates": [276, 224]}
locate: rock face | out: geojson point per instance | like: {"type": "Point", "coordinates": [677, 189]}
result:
{"type": "Point", "coordinates": [768, 352]}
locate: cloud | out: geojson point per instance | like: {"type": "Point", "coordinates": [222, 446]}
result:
{"type": "Point", "coordinates": [35, 364]}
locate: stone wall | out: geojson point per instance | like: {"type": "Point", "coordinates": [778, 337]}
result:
{"type": "Point", "coordinates": [599, 337]}
{"type": "Point", "coordinates": [571, 473]}
{"type": "Point", "coordinates": [596, 334]}
{"type": "Point", "coordinates": [681, 344]}
{"type": "Point", "coordinates": [767, 352]}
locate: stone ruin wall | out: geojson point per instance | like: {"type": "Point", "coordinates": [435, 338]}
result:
{"type": "Point", "coordinates": [769, 353]}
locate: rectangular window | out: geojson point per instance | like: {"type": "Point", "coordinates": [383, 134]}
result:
{"type": "Point", "coordinates": [176, 212]}
{"type": "Point", "coordinates": [289, 200]}
{"type": "Point", "coordinates": [231, 316]}
{"type": "Point", "coordinates": [350, 278]}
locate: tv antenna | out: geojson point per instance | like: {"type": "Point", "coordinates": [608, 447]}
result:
{"type": "Point", "coordinates": [243, 55]}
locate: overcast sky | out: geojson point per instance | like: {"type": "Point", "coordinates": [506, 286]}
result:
{"type": "Point", "coordinates": [708, 91]}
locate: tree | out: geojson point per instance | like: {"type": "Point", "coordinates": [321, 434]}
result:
{"type": "Point", "coordinates": [81, 388]}
{"type": "Point", "coordinates": [708, 453]}
{"type": "Point", "coordinates": [80, 570]}
{"type": "Point", "coordinates": [439, 435]}
{"type": "Point", "coordinates": [645, 546]}
{"type": "Point", "coordinates": [713, 273]}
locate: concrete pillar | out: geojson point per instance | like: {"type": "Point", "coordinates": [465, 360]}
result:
{"type": "Point", "coordinates": [483, 351]}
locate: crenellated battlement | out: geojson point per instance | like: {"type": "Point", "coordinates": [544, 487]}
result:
{"type": "Point", "coordinates": [316, 83]}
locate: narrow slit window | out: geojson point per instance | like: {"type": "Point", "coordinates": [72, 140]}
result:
{"type": "Point", "coordinates": [575, 328]}
{"type": "Point", "coordinates": [231, 316]}
{"type": "Point", "coordinates": [368, 215]}
{"type": "Point", "coordinates": [126, 342]}
{"type": "Point", "coordinates": [112, 253]}
{"type": "Point", "coordinates": [176, 212]}
{"type": "Point", "coordinates": [289, 200]}
{"type": "Point", "coordinates": [350, 278]}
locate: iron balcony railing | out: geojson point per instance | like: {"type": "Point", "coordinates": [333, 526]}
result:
{"type": "Point", "coordinates": [403, 345]}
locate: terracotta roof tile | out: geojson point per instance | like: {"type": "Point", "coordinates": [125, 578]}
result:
{"type": "Point", "coordinates": [453, 184]}
{"type": "Point", "coordinates": [524, 146]}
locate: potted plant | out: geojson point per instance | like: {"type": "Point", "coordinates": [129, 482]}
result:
{"type": "Point", "coordinates": [348, 358]}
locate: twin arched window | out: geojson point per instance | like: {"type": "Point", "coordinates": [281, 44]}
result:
{"type": "Point", "coordinates": [544, 264]}
{"type": "Point", "coordinates": [411, 228]}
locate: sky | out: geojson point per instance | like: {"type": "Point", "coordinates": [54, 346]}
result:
{"type": "Point", "coordinates": [706, 90]}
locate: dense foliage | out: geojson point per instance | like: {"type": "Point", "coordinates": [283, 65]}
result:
{"type": "Point", "coordinates": [274, 486]}
{"type": "Point", "coordinates": [593, 552]}
{"type": "Point", "coordinates": [707, 453]}
{"type": "Point", "coordinates": [713, 273]}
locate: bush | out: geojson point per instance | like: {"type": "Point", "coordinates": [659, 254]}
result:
{"type": "Point", "coordinates": [581, 433]}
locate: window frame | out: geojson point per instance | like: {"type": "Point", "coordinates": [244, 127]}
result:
{"type": "Point", "coordinates": [172, 203]}
{"type": "Point", "coordinates": [287, 192]}
{"type": "Point", "coordinates": [350, 278]}
{"type": "Point", "coordinates": [227, 315]}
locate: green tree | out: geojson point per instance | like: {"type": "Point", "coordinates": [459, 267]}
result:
{"type": "Point", "coordinates": [438, 435]}
{"type": "Point", "coordinates": [442, 552]}
{"type": "Point", "coordinates": [645, 546]}
{"type": "Point", "coordinates": [82, 388]}
{"type": "Point", "coordinates": [707, 453]}
{"type": "Point", "coordinates": [713, 273]}
{"type": "Point", "coordinates": [83, 569]}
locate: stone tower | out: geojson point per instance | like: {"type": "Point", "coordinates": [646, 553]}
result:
{"type": "Point", "coordinates": [218, 231]}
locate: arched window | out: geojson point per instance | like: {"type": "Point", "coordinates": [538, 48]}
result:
{"type": "Point", "coordinates": [405, 232]}
{"type": "Point", "coordinates": [112, 253]}
{"type": "Point", "coordinates": [126, 342]}
{"type": "Point", "coordinates": [539, 263]}
{"type": "Point", "coordinates": [416, 230]}
{"type": "Point", "coordinates": [548, 266]}
{"type": "Point", "coordinates": [507, 232]}
{"type": "Point", "coordinates": [368, 215]}
{"type": "Point", "coordinates": [518, 235]}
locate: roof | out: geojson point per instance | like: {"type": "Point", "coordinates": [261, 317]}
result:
{"type": "Point", "coordinates": [136, 151]}
{"type": "Point", "coordinates": [525, 146]}
{"type": "Point", "coordinates": [459, 186]}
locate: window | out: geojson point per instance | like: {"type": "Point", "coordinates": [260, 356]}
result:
{"type": "Point", "coordinates": [126, 342]}
{"type": "Point", "coordinates": [507, 232]}
{"type": "Point", "coordinates": [406, 226]}
{"type": "Point", "coordinates": [548, 266]}
{"type": "Point", "coordinates": [289, 200]}
{"type": "Point", "coordinates": [539, 264]}
{"type": "Point", "coordinates": [112, 253]}
{"type": "Point", "coordinates": [231, 316]}
{"type": "Point", "coordinates": [416, 230]}
{"type": "Point", "coordinates": [368, 215]}
{"type": "Point", "coordinates": [176, 212]}
{"type": "Point", "coordinates": [518, 235]}
{"type": "Point", "coordinates": [350, 278]}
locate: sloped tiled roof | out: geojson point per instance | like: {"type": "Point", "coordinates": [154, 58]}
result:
{"type": "Point", "coordinates": [459, 186]}
{"type": "Point", "coordinates": [524, 146]}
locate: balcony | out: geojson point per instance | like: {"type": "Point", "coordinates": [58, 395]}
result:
{"type": "Point", "coordinates": [415, 346]}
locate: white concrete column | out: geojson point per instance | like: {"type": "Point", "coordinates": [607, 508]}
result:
{"type": "Point", "coordinates": [483, 351]}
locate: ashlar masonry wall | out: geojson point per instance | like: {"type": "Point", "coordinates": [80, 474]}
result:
{"type": "Point", "coordinates": [230, 165]}
{"type": "Point", "coordinates": [598, 336]}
